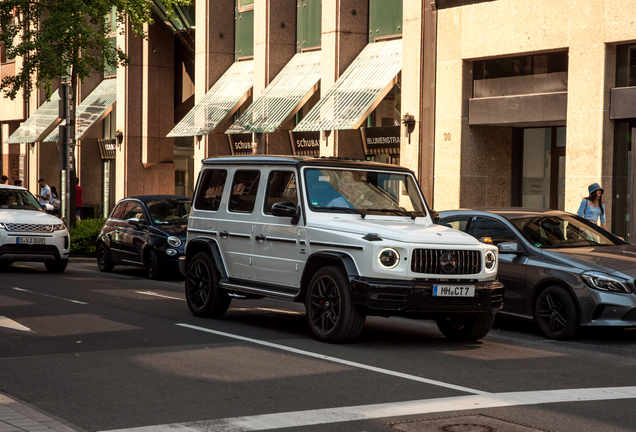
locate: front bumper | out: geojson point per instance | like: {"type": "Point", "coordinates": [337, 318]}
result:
{"type": "Point", "coordinates": [414, 299]}
{"type": "Point", "coordinates": [33, 253]}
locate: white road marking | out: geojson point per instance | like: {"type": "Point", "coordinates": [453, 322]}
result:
{"type": "Point", "coordinates": [9, 323]}
{"type": "Point", "coordinates": [397, 409]}
{"type": "Point", "coordinates": [337, 360]}
{"type": "Point", "coordinates": [154, 294]}
{"type": "Point", "coordinates": [49, 295]}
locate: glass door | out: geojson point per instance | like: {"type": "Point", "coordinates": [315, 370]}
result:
{"type": "Point", "coordinates": [543, 168]}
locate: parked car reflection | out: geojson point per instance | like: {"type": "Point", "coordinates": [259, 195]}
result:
{"type": "Point", "coordinates": [558, 269]}
{"type": "Point", "coordinates": [147, 231]}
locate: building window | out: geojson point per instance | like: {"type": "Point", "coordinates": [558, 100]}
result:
{"type": "Point", "coordinates": [244, 29]}
{"type": "Point", "coordinates": [626, 66]}
{"type": "Point", "coordinates": [308, 24]}
{"type": "Point", "coordinates": [509, 76]}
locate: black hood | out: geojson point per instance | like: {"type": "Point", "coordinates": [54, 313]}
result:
{"type": "Point", "coordinates": [173, 230]}
{"type": "Point", "coordinates": [609, 259]}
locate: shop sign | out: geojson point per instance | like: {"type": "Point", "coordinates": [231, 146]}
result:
{"type": "Point", "coordinates": [241, 144]}
{"type": "Point", "coordinates": [107, 148]}
{"type": "Point", "coordinates": [306, 143]}
{"type": "Point", "coordinates": [535, 186]}
{"type": "Point", "coordinates": [378, 140]}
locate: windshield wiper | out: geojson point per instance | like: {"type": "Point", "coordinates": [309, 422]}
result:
{"type": "Point", "coordinates": [346, 210]}
{"type": "Point", "coordinates": [398, 211]}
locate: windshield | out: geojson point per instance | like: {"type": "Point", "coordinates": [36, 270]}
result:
{"type": "Point", "coordinates": [16, 199]}
{"type": "Point", "coordinates": [363, 192]}
{"type": "Point", "coordinates": [563, 232]}
{"type": "Point", "coordinates": [169, 212]}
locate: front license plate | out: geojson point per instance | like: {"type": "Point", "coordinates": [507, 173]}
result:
{"type": "Point", "coordinates": [453, 290]}
{"type": "Point", "coordinates": [30, 240]}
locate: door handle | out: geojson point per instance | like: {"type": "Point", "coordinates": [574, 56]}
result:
{"type": "Point", "coordinates": [224, 234]}
{"type": "Point", "coordinates": [260, 237]}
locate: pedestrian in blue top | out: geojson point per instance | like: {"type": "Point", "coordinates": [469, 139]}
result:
{"type": "Point", "coordinates": [592, 207]}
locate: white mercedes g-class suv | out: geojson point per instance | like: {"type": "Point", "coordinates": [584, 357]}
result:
{"type": "Point", "coordinates": [347, 238]}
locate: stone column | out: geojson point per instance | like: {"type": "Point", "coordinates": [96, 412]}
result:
{"type": "Point", "coordinates": [418, 91]}
{"type": "Point", "coordinates": [344, 36]}
{"type": "Point", "coordinates": [213, 56]}
{"type": "Point", "coordinates": [590, 133]}
{"type": "Point", "coordinates": [145, 114]}
{"type": "Point", "coordinates": [274, 46]}
{"type": "Point", "coordinates": [448, 130]}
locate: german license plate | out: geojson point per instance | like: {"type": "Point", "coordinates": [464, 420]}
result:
{"type": "Point", "coordinates": [453, 290]}
{"type": "Point", "coordinates": [30, 240]}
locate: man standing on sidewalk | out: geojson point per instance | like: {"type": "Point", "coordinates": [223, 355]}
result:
{"type": "Point", "coordinates": [45, 192]}
{"type": "Point", "coordinates": [78, 201]}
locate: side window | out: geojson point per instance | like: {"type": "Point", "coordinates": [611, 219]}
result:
{"type": "Point", "coordinates": [120, 210]}
{"type": "Point", "coordinates": [281, 187]}
{"type": "Point", "coordinates": [244, 188]}
{"type": "Point", "coordinates": [135, 210]}
{"type": "Point", "coordinates": [211, 190]}
{"type": "Point", "coordinates": [487, 227]}
{"type": "Point", "coordinates": [455, 222]}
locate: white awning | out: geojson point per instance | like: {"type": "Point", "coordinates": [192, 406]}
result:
{"type": "Point", "coordinates": [220, 102]}
{"type": "Point", "coordinates": [93, 109]}
{"type": "Point", "coordinates": [283, 97]}
{"type": "Point", "coordinates": [358, 91]}
{"type": "Point", "coordinates": [43, 120]}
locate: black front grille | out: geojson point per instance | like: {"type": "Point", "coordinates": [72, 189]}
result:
{"type": "Point", "coordinates": [446, 262]}
{"type": "Point", "coordinates": [630, 316]}
{"type": "Point", "coordinates": [27, 248]}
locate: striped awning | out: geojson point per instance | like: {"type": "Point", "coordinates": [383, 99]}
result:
{"type": "Point", "coordinates": [358, 91]}
{"type": "Point", "coordinates": [92, 110]}
{"type": "Point", "coordinates": [283, 97]}
{"type": "Point", "coordinates": [219, 103]}
{"type": "Point", "coordinates": [40, 123]}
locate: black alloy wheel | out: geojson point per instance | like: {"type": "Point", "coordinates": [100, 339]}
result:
{"type": "Point", "coordinates": [331, 314]}
{"type": "Point", "coordinates": [104, 262]}
{"type": "Point", "coordinates": [153, 266]}
{"type": "Point", "coordinates": [465, 328]}
{"type": "Point", "coordinates": [556, 313]}
{"type": "Point", "coordinates": [203, 293]}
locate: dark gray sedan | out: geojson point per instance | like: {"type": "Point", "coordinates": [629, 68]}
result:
{"type": "Point", "coordinates": [558, 269]}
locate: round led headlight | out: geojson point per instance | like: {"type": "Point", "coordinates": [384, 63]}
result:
{"type": "Point", "coordinates": [174, 241]}
{"type": "Point", "coordinates": [171, 252]}
{"type": "Point", "coordinates": [491, 260]}
{"type": "Point", "coordinates": [389, 258]}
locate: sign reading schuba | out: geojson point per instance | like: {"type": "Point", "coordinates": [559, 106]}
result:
{"type": "Point", "coordinates": [241, 143]}
{"type": "Point", "coordinates": [383, 137]}
{"type": "Point", "coordinates": [306, 143]}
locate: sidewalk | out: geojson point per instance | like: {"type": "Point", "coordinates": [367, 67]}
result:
{"type": "Point", "coordinates": [18, 417]}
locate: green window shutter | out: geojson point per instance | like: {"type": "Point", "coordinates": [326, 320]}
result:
{"type": "Point", "coordinates": [385, 18]}
{"type": "Point", "coordinates": [308, 24]}
{"type": "Point", "coordinates": [244, 34]}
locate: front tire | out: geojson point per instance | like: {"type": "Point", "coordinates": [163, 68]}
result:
{"type": "Point", "coordinates": [465, 327]}
{"type": "Point", "coordinates": [57, 266]}
{"type": "Point", "coordinates": [153, 267]}
{"type": "Point", "coordinates": [331, 314]}
{"type": "Point", "coordinates": [203, 293]}
{"type": "Point", "coordinates": [104, 262]}
{"type": "Point", "coordinates": [556, 314]}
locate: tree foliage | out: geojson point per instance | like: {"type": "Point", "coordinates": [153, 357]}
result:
{"type": "Point", "coordinates": [66, 39]}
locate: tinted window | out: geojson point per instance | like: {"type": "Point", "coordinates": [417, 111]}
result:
{"type": "Point", "coordinates": [281, 187]}
{"type": "Point", "coordinates": [135, 210]}
{"type": "Point", "coordinates": [16, 199]}
{"type": "Point", "coordinates": [244, 188]}
{"type": "Point", "coordinates": [211, 190]}
{"type": "Point", "coordinates": [563, 232]}
{"type": "Point", "coordinates": [487, 227]}
{"type": "Point", "coordinates": [120, 210]}
{"type": "Point", "coordinates": [169, 212]}
{"type": "Point", "coordinates": [455, 222]}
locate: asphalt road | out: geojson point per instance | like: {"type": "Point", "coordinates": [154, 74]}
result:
{"type": "Point", "coordinates": [116, 351]}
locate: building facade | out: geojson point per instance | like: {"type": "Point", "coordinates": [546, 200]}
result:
{"type": "Point", "coordinates": [490, 102]}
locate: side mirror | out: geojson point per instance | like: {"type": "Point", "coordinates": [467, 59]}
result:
{"type": "Point", "coordinates": [434, 215]}
{"type": "Point", "coordinates": [284, 209]}
{"type": "Point", "coordinates": [136, 222]}
{"type": "Point", "coordinates": [508, 248]}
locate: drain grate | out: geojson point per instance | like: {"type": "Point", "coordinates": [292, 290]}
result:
{"type": "Point", "coordinates": [469, 423]}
